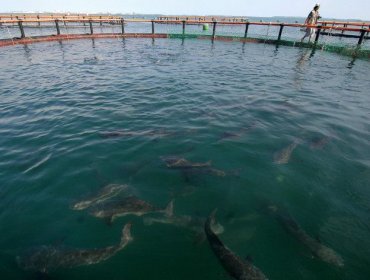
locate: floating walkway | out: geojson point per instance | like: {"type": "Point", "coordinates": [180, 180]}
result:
{"type": "Point", "coordinates": [357, 32]}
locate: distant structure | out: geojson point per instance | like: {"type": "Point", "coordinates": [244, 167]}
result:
{"type": "Point", "coordinates": [204, 18]}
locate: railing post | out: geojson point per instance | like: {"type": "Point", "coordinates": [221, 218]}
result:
{"type": "Point", "coordinates": [123, 26]}
{"type": "Point", "coordinates": [91, 27]}
{"type": "Point", "coordinates": [153, 31]}
{"type": "Point", "coordinates": [57, 26]}
{"type": "Point", "coordinates": [214, 30]}
{"type": "Point", "coordinates": [363, 31]}
{"type": "Point", "coordinates": [246, 30]}
{"type": "Point", "coordinates": [21, 29]}
{"type": "Point", "coordinates": [280, 31]}
{"type": "Point", "coordinates": [183, 27]}
{"type": "Point", "coordinates": [318, 33]}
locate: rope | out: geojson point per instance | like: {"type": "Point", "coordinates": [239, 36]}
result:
{"type": "Point", "coordinates": [113, 26]}
{"type": "Point", "coordinates": [39, 27]}
{"type": "Point", "coordinates": [66, 29]}
{"type": "Point", "coordinates": [10, 35]}
{"type": "Point", "coordinates": [330, 32]}
{"type": "Point", "coordinates": [267, 33]}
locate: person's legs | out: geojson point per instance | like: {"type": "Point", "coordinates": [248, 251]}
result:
{"type": "Point", "coordinates": [307, 34]}
{"type": "Point", "coordinates": [312, 34]}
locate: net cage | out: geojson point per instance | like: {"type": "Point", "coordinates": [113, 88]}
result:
{"type": "Point", "coordinates": [341, 37]}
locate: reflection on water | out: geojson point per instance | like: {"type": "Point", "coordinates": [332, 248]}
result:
{"type": "Point", "coordinates": [194, 126]}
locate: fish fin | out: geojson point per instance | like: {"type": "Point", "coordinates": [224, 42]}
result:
{"type": "Point", "coordinates": [212, 218]}
{"type": "Point", "coordinates": [318, 238]}
{"type": "Point", "coordinates": [126, 235]}
{"type": "Point", "coordinates": [209, 163]}
{"type": "Point", "coordinates": [169, 209]}
{"type": "Point", "coordinates": [217, 228]}
{"type": "Point", "coordinates": [249, 258]}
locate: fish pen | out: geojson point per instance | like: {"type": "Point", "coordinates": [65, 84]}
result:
{"type": "Point", "coordinates": [140, 148]}
{"type": "Point", "coordinates": [349, 38]}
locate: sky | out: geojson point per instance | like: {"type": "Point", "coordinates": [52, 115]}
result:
{"type": "Point", "coordinates": [340, 9]}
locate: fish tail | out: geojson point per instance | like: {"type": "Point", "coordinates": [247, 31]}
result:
{"type": "Point", "coordinates": [210, 221]}
{"type": "Point", "coordinates": [169, 209]}
{"type": "Point", "coordinates": [211, 235]}
{"type": "Point", "coordinates": [81, 205]}
{"type": "Point", "coordinates": [126, 235]}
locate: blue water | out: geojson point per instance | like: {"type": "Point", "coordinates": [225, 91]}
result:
{"type": "Point", "coordinates": [58, 97]}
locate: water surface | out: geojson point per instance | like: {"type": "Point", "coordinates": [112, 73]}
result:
{"type": "Point", "coordinates": [236, 105]}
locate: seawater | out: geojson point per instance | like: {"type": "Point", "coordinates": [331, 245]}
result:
{"type": "Point", "coordinates": [57, 98]}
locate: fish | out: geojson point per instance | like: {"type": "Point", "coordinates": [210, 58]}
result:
{"type": "Point", "coordinates": [45, 259]}
{"type": "Point", "coordinates": [188, 167]}
{"type": "Point", "coordinates": [102, 195]}
{"type": "Point", "coordinates": [91, 60]}
{"type": "Point", "coordinates": [283, 156]}
{"type": "Point", "coordinates": [130, 205]}
{"type": "Point", "coordinates": [235, 266]}
{"type": "Point", "coordinates": [315, 246]}
{"type": "Point", "coordinates": [229, 135]}
{"type": "Point", "coordinates": [175, 162]}
{"type": "Point", "coordinates": [120, 133]}
{"type": "Point", "coordinates": [127, 133]}
{"type": "Point", "coordinates": [232, 135]}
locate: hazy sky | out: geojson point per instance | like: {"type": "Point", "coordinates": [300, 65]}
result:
{"type": "Point", "coordinates": [358, 9]}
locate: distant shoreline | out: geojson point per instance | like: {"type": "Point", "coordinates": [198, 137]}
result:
{"type": "Point", "coordinates": [130, 15]}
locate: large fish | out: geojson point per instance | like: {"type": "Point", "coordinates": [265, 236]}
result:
{"type": "Point", "coordinates": [105, 193]}
{"type": "Point", "coordinates": [175, 162]}
{"type": "Point", "coordinates": [121, 133]}
{"type": "Point", "coordinates": [318, 249]}
{"type": "Point", "coordinates": [48, 258]}
{"type": "Point", "coordinates": [283, 156]}
{"type": "Point", "coordinates": [232, 134]}
{"type": "Point", "coordinates": [130, 205]}
{"type": "Point", "coordinates": [127, 133]}
{"type": "Point", "coordinates": [236, 267]}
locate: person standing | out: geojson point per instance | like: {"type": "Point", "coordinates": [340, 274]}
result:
{"type": "Point", "coordinates": [311, 20]}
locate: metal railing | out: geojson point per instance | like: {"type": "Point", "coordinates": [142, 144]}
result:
{"type": "Point", "coordinates": [333, 29]}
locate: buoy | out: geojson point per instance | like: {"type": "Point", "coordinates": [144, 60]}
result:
{"type": "Point", "coordinates": [205, 26]}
